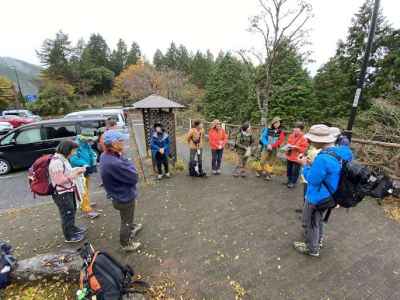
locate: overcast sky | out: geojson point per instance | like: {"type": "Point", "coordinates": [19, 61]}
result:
{"type": "Point", "coordinates": [198, 24]}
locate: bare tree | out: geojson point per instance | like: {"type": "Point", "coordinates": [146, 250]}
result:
{"type": "Point", "coordinates": [280, 22]}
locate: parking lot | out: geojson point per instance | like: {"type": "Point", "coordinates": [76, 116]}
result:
{"type": "Point", "coordinates": [15, 192]}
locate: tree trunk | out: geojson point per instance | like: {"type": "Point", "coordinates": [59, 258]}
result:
{"type": "Point", "coordinates": [65, 264]}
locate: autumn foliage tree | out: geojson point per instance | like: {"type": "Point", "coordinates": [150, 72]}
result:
{"type": "Point", "coordinates": [7, 93]}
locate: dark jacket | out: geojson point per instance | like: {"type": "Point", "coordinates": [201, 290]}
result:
{"type": "Point", "coordinates": [119, 177]}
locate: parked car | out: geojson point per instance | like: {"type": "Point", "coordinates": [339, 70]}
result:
{"type": "Point", "coordinates": [21, 113]}
{"type": "Point", "coordinates": [116, 113]}
{"type": "Point", "coordinates": [16, 121]}
{"type": "Point", "coordinates": [5, 127]}
{"type": "Point", "coordinates": [22, 146]}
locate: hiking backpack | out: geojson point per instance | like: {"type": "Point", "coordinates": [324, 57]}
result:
{"type": "Point", "coordinates": [356, 182]}
{"type": "Point", "coordinates": [104, 277]}
{"type": "Point", "coordinates": [38, 176]}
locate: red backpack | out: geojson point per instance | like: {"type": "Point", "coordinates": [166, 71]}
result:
{"type": "Point", "coordinates": [38, 175]}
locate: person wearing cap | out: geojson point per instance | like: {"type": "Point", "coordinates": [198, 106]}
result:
{"type": "Point", "coordinates": [217, 138]}
{"type": "Point", "coordinates": [111, 124]}
{"type": "Point", "coordinates": [297, 145]}
{"type": "Point", "coordinates": [271, 139]}
{"type": "Point", "coordinates": [322, 173]}
{"type": "Point", "coordinates": [120, 178]}
{"type": "Point", "coordinates": [87, 158]}
{"type": "Point", "coordinates": [160, 149]}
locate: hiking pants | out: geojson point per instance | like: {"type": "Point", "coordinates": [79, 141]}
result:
{"type": "Point", "coordinates": [314, 226]}
{"type": "Point", "coordinates": [193, 156]}
{"type": "Point", "coordinates": [162, 160]}
{"type": "Point", "coordinates": [216, 159]}
{"type": "Point", "coordinates": [85, 204]}
{"type": "Point", "coordinates": [67, 207]}
{"type": "Point", "coordinates": [293, 171]}
{"type": "Point", "coordinates": [127, 212]}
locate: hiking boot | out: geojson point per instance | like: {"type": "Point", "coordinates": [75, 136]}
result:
{"type": "Point", "coordinates": [303, 249]}
{"type": "Point", "coordinates": [168, 175]}
{"type": "Point", "coordinates": [136, 229]}
{"type": "Point", "coordinates": [80, 230]}
{"type": "Point", "coordinates": [132, 246]}
{"type": "Point", "coordinates": [76, 238]}
{"type": "Point", "coordinates": [92, 214]}
{"type": "Point", "coordinates": [159, 177]}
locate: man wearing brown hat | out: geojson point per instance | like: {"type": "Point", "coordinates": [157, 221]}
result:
{"type": "Point", "coordinates": [323, 179]}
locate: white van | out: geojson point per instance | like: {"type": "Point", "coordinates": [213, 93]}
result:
{"type": "Point", "coordinates": [115, 113]}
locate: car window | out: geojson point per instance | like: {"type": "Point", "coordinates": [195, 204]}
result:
{"type": "Point", "coordinates": [29, 136]}
{"type": "Point", "coordinates": [92, 126]}
{"type": "Point", "coordinates": [59, 131]}
{"type": "Point", "coordinates": [7, 139]}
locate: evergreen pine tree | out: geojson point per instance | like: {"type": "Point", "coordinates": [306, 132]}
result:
{"type": "Point", "coordinates": [119, 57]}
{"type": "Point", "coordinates": [230, 91]}
{"type": "Point", "coordinates": [96, 53]}
{"type": "Point", "coordinates": [158, 60]}
{"type": "Point", "coordinates": [134, 54]}
{"type": "Point", "coordinates": [55, 55]}
{"type": "Point", "coordinates": [336, 81]}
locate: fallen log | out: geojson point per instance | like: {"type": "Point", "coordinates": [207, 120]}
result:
{"type": "Point", "coordinates": [66, 264]}
{"type": "Point", "coordinates": [54, 266]}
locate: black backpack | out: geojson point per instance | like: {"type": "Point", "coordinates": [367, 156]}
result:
{"type": "Point", "coordinates": [7, 264]}
{"type": "Point", "coordinates": [104, 277]}
{"type": "Point", "coordinates": [356, 182]}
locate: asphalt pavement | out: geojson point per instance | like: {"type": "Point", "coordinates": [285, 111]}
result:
{"type": "Point", "coordinates": [15, 191]}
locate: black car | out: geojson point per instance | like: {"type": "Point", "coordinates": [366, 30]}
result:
{"type": "Point", "coordinates": [21, 147]}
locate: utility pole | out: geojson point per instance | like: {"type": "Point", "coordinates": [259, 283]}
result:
{"type": "Point", "coordinates": [361, 80]}
{"type": "Point", "coordinates": [20, 95]}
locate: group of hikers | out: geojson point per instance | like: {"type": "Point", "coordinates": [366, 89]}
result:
{"type": "Point", "coordinates": [314, 156]}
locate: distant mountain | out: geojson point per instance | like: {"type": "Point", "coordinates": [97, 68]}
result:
{"type": "Point", "coordinates": [28, 74]}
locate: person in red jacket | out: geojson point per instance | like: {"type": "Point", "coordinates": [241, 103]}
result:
{"type": "Point", "coordinates": [217, 138]}
{"type": "Point", "coordinates": [296, 147]}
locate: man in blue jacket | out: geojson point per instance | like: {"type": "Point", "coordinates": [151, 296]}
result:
{"type": "Point", "coordinates": [322, 173]}
{"type": "Point", "coordinates": [120, 178]}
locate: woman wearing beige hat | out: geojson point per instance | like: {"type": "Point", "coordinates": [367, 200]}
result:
{"type": "Point", "coordinates": [271, 139]}
{"type": "Point", "coordinates": [323, 177]}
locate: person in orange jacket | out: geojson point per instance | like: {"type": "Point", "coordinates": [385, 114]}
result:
{"type": "Point", "coordinates": [296, 146]}
{"type": "Point", "coordinates": [217, 139]}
